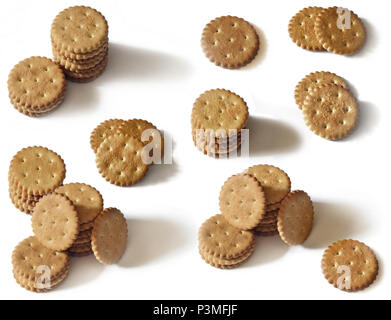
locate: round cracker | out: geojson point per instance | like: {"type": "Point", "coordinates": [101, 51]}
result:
{"type": "Point", "coordinates": [224, 263]}
{"type": "Point", "coordinates": [331, 112]}
{"type": "Point", "coordinates": [120, 160]}
{"type": "Point", "coordinates": [275, 182]}
{"type": "Point", "coordinates": [336, 39]}
{"type": "Point", "coordinates": [242, 201]}
{"type": "Point", "coordinates": [295, 218]}
{"type": "Point", "coordinates": [79, 29]}
{"type": "Point", "coordinates": [55, 222]}
{"type": "Point", "coordinates": [301, 29]}
{"type": "Point", "coordinates": [219, 110]}
{"type": "Point", "coordinates": [220, 239]}
{"type": "Point", "coordinates": [30, 254]}
{"type": "Point", "coordinates": [109, 236]}
{"type": "Point", "coordinates": [313, 80]}
{"type": "Point", "coordinates": [353, 257]}
{"type": "Point", "coordinates": [230, 42]}
{"type": "Point", "coordinates": [103, 130]}
{"type": "Point", "coordinates": [86, 199]}
{"type": "Point", "coordinates": [36, 82]}
{"type": "Point", "coordinates": [36, 170]}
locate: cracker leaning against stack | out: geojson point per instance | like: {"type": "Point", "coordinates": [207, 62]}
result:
{"type": "Point", "coordinates": [218, 121]}
{"type": "Point", "coordinates": [334, 29]}
{"type": "Point", "coordinates": [67, 220]}
{"type": "Point", "coordinates": [125, 149]}
{"type": "Point", "coordinates": [257, 201]}
{"type": "Point", "coordinates": [329, 108]}
{"type": "Point", "coordinates": [79, 38]}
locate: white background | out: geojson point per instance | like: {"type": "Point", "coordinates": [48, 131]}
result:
{"type": "Point", "coordinates": [156, 70]}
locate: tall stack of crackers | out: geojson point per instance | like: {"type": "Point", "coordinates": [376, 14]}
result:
{"type": "Point", "coordinates": [218, 119]}
{"type": "Point", "coordinates": [258, 201]}
{"type": "Point", "coordinates": [80, 41]}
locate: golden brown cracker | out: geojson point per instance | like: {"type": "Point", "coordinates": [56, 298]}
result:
{"type": "Point", "coordinates": [103, 130]}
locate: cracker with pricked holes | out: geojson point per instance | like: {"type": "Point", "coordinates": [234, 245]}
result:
{"type": "Point", "coordinates": [103, 130]}
{"type": "Point", "coordinates": [242, 201]}
{"type": "Point", "coordinates": [313, 80]}
{"type": "Point", "coordinates": [230, 42]}
{"type": "Point", "coordinates": [301, 29]}
{"type": "Point", "coordinates": [331, 112]}
{"type": "Point", "coordinates": [331, 32]}
{"type": "Point", "coordinates": [275, 182]}
{"type": "Point", "coordinates": [29, 254]}
{"type": "Point", "coordinates": [87, 200]}
{"type": "Point", "coordinates": [120, 160]}
{"type": "Point", "coordinates": [350, 258]}
{"type": "Point", "coordinates": [220, 239]}
{"type": "Point", "coordinates": [79, 29]}
{"type": "Point", "coordinates": [55, 222]}
{"type": "Point", "coordinates": [36, 83]}
{"type": "Point", "coordinates": [36, 170]}
{"type": "Point", "coordinates": [109, 236]}
{"type": "Point", "coordinates": [295, 218]}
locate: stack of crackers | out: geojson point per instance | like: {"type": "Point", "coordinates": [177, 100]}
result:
{"type": "Point", "coordinates": [33, 173]}
{"type": "Point", "coordinates": [80, 43]}
{"type": "Point", "coordinates": [67, 220]}
{"type": "Point", "coordinates": [329, 108]}
{"type": "Point", "coordinates": [125, 149]}
{"type": "Point", "coordinates": [336, 30]}
{"type": "Point", "coordinates": [36, 86]}
{"type": "Point", "coordinates": [218, 120]}
{"type": "Point", "coordinates": [257, 201]}
{"type": "Point", "coordinates": [230, 42]}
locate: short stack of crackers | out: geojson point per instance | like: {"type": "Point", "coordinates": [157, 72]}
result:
{"type": "Point", "coordinates": [67, 220]}
{"type": "Point", "coordinates": [36, 86]}
{"type": "Point", "coordinates": [79, 38]}
{"type": "Point", "coordinates": [218, 121]}
{"type": "Point", "coordinates": [329, 108]}
{"type": "Point", "coordinates": [125, 149]}
{"type": "Point", "coordinates": [257, 201]}
{"type": "Point", "coordinates": [334, 29]}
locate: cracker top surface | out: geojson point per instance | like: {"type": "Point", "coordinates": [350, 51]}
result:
{"type": "Point", "coordinates": [120, 159]}
{"type": "Point", "coordinates": [37, 170]}
{"type": "Point", "coordinates": [87, 200]}
{"type": "Point", "coordinates": [55, 222]}
{"type": "Point", "coordinates": [316, 79]}
{"type": "Point", "coordinates": [30, 254]}
{"type": "Point", "coordinates": [275, 182]}
{"type": "Point", "coordinates": [109, 236]}
{"type": "Point", "coordinates": [295, 218]}
{"type": "Point", "coordinates": [79, 29]}
{"type": "Point", "coordinates": [301, 28]}
{"type": "Point", "coordinates": [230, 42]}
{"type": "Point", "coordinates": [103, 130]}
{"type": "Point", "coordinates": [330, 111]}
{"type": "Point", "coordinates": [219, 109]}
{"type": "Point", "coordinates": [36, 82]}
{"type": "Point", "coordinates": [242, 201]}
{"type": "Point", "coordinates": [219, 238]}
{"type": "Point", "coordinates": [358, 258]}
{"type": "Point", "coordinates": [336, 38]}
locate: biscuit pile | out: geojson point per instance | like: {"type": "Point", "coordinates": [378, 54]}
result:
{"type": "Point", "coordinates": [218, 119]}
{"type": "Point", "coordinates": [336, 30]}
{"type": "Point", "coordinates": [67, 220]}
{"type": "Point", "coordinates": [352, 262]}
{"type": "Point", "coordinates": [36, 86]}
{"type": "Point", "coordinates": [125, 149]}
{"type": "Point", "coordinates": [33, 173]}
{"type": "Point", "coordinates": [257, 201]}
{"type": "Point", "coordinates": [329, 108]}
{"type": "Point", "coordinates": [79, 38]}
{"type": "Point", "coordinates": [230, 42]}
